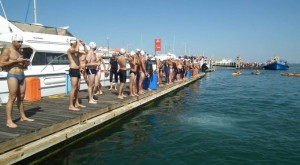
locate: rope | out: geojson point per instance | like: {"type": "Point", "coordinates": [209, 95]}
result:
{"type": "Point", "coordinates": [27, 10]}
{"type": "Point", "coordinates": [5, 16]}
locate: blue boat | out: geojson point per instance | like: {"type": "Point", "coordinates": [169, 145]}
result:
{"type": "Point", "coordinates": [276, 64]}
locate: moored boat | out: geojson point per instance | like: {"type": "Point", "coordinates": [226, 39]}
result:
{"type": "Point", "coordinates": [276, 64]}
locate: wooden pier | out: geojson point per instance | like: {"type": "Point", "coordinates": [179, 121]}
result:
{"type": "Point", "coordinates": [54, 123]}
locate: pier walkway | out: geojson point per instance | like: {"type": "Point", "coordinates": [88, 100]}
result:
{"type": "Point", "coordinates": [54, 123]}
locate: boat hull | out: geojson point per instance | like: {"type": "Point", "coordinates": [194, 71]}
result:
{"type": "Point", "coordinates": [276, 66]}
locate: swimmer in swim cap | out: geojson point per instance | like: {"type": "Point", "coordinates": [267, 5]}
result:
{"type": "Point", "coordinates": [12, 60]}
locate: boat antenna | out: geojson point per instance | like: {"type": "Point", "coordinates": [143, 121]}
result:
{"type": "Point", "coordinates": [27, 10]}
{"type": "Point", "coordinates": [34, 10]}
{"type": "Point", "coordinates": [5, 16]}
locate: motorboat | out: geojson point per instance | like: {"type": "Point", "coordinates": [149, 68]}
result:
{"type": "Point", "coordinates": [46, 47]}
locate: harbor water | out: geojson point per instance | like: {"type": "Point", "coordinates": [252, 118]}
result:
{"type": "Point", "coordinates": [221, 119]}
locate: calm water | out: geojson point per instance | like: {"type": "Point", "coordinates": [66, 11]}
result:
{"type": "Point", "coordinates": [220, 119]}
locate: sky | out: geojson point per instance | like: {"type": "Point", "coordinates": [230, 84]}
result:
{"type": "Point", "coordinates": [255, 30]}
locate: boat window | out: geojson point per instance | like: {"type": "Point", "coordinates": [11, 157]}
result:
{"type": "Point", "coordinates": [45, 58]}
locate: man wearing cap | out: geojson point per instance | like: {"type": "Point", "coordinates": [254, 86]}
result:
{"type": "Point", "coordinates": [141, 70]}
{"type": "Point", "coordinates": [74, 72]}
{"type": "Point", "coordinates": [133, 67]}
{"type": "Point", "coordinates": [97, 88]}
{"type": "Point", "coordinates": [149, 70]}
{"type": "Point", "coordinates": [13, 62]}
{"type": "Point", "coordinates": [91, 71]}
{"type": "Point", "coordinates": [122, 72]}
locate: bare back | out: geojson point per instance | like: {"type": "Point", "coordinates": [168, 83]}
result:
{"type": "Point", "coordinates": [122, 62]}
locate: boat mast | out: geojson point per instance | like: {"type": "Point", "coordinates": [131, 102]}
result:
{"type": "Point", "coordinates": [34, 11]}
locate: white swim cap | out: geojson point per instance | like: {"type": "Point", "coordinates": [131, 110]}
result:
{"type": "Point", "coordinates": [142, 53]}
{"type": "Point", "coordinates": [122, 51]}
{"type": "Point", "coordinates": [138, 50]}
{"type": "Point", "coordinates": [149, 55]}
{"type": "Point", "coordinates": [81, 48]}
{"type": "Point", "coordinates": [17, 37]}
{"type": "Point", "coordinates": [92, 45]}
{"type": "Point", "coordinates": [132, 53]}
{"type": "Point", "coordinates": [73, 40]}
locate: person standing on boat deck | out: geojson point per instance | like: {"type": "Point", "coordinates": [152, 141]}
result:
{"type": "Point", "coordinates": [122, 72]}
{"type": "Point", "coordinates": [91, 72]}
{"type": "Point", "coordinates": [13, 62]}
{"type": "Point", "coordinates": [133, 67]}
{"type": "Point", "coordinates": [113, 68]}
{"type": "Point", "coordinates": [74, 72]}
{"type": "Point", "coordinates": [149, 70]}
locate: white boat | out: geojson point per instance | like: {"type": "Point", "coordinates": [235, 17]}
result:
{"type": "Point", "coordinates": [46, 48]}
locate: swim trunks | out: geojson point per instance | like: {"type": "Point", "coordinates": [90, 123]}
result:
{"type": "Point", "coordinates": [74, 73]}
{"type": "Point", "coordinates": [122, 74]}
{"type": "Point", "coordinates": [19, 77]}
{"type": "Point", "coordinates": [91, 71]}
{"type": "Point", "coordinates": [134, 72]}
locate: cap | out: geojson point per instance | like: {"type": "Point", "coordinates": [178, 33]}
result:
{"type": "Point", "coordinates": [132, 53]}
{"type": "Point", "coordinates": [17, 37]}
{"type": "Point", "coordinates": [73, 40]}
{"type": "Point", "coordinates": [81, 48]}
{"type": "Point", "coordinates": [142, 53]}
{"type": "Point", "coordinates": [122, 51]}
{"type": "Point", "coordinates": [92, 45]}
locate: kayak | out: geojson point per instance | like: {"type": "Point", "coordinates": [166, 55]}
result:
{"type": "Point", "coordinates": [290, 74]}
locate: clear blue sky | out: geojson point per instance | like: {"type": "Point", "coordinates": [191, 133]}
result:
{"type": "Point", "coordinates": [254, 29]}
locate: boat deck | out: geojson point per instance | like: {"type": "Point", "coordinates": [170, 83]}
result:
{"type": "Point", "coordinates": [54, 123]}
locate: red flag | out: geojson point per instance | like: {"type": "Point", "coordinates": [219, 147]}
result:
{"type": "Point", "coordinates": [157, 44]}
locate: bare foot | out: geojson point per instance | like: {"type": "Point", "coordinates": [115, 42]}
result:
{"type": "Point", "coordinates": [120, 97]}
{"type": "Point", "coordinates": [110, 89]}
{"type": "Point", "coordinates": [124, 96]}
{"type": "Point", "coordinates": [132, 95]}
{"type": "Point", "coordinates": [11, 125]}
{"type": "Point", "coordinates": [100, 93]}
{"type": "Point", "coordinates": [116, 89]}
{"type": "Point", "coordinates": [93, 102]}
{"type": "Point", "coordinates": [26, 119]}
{"type": "Point", "coordinates": [74, 109]}
{"type": "Point", "coordinates": [136, 94]}
{"type": "Point", "coordinates": [80, 105]}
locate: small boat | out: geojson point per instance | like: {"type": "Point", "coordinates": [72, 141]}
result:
{"type": "Point", "coordinates": [276, 64]}
{"type": "Point", "coordinates": [290, 74]}
{"type": "Point", "coordinates": [236, 73]}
